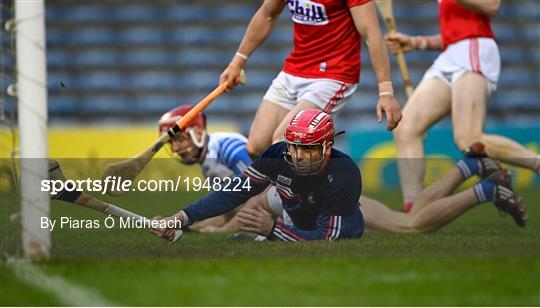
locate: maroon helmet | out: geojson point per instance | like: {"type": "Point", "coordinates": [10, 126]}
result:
{"type": "Point", "coordinates": [308, 128]}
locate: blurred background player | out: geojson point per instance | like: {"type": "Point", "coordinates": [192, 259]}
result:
{"type": "Point", "coordinates": [323, 69]}
{"type": "Point", "coordinates": [219, 154]}
{"type": "Point", "coordinates": [459, 82]}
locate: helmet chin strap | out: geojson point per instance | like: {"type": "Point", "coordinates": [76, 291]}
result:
{"type": "Point", "coordinates": [198, 143]}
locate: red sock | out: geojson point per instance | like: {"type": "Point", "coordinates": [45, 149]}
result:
{"type": "Point", "coordinates": [407, 207]}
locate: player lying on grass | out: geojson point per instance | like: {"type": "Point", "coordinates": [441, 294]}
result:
{"type": "Point", "coordinates": [316, 192]}
{"type": "Point", "coordinates": [459, 83]}
{"type": "Point", "coordinates": [219, 154]}
{"type": "Point", "coordinates": [319, 186]}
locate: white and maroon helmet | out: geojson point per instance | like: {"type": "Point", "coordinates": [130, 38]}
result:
{"type": "Point", "coordinates": [311, 127]}
{"type": "Point", "coordinates": [169, 118]}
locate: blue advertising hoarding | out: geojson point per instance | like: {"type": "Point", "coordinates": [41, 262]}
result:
{"type": "Point", "coordinates": [375, 153]}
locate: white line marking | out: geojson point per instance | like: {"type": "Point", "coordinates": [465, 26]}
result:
{"type": "Point", "coordinates": [66, 292]}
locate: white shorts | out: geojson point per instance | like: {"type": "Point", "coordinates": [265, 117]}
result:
{"type": "Point", "coordinates": [480, 55]}
{"type": "Point", "coordinates": [276, 205]}
{"type": "Point", "coordinates": [327, 94]}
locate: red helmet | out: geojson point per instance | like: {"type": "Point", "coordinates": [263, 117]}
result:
{"type": "Point", "coordinates": [309, 127]}
{"type": "Point", "coordinates": [170, 117]}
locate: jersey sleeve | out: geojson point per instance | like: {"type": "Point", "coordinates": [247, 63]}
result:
{"type": "Point", "coordinates": [254, 181]}
{"type": "Point", "coordinates": [222, 201]}
{"type": "Point", "coordinates": [240, 161]}
{"type": "Point", "coordinates": [329, 228]}
{"type": "Point", "coordinates": [351, 3]}
{"type": "Point", "coordinates": [234, 155]}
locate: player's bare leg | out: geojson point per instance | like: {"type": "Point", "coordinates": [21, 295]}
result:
{"type": "Point", "coordinates": [267, 118]}
{"type": "Point", "coordinates": [429, 103]}
{"type": "Point", "coordinates": [212, 223]}
{"type": "Point", "coordinates": [474, 163]}
{"type": "Point", "coordinates": [509, 151]}
{"type": "Point", "coordinates": [495, 188]}
{"type": "Point", "coordinates": [442, 211]}
{"type": "Point", "coordinates": [379, 217]}
{"type": "Point", "coordinates": [442, 188]}
{"type": "Point", "coordinates": [280, 130]}
{"type": "Point", "coordinates": [469, 97]}
{"type": "Point", "coordinates": [233, 224]}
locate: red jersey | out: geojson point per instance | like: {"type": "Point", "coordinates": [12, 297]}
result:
{"type": "Point", "coordinates": [458, 23]}
{"type": "Point", "coordinates": [326, 42]}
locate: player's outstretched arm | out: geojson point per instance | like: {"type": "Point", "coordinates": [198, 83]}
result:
{"type": "Point", "coordinates": [485, 7]}
{"type": "Point", "coordinates": [257, 31]}
{"type": "Point", "coordinates": [216, 203]}
{"type": "Point", "coordinates": [367, 24]}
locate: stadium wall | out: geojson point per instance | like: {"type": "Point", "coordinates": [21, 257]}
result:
{"type": "Point", "coordinates": [89, 148]}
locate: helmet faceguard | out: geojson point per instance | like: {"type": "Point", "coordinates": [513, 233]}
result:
{"type": "Point", "coordinates": [308, 136]}
{"type": "Point", "coordinates": [169, 119]}
{"type": "Point", "coordinates": [312, 165]}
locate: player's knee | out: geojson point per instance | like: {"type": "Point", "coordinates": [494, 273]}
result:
{"type": "Point", "coordinates": [463, 141]}
{"type": "Point", "coordinates": [255, 202]}
{"type": "Point", "coordinates": [406, 132]}
{"type": "Point", "coordinates": [417, 229]}
{"type": "Point", "coordinates": [418, 225]}
{"type": "Point", "coordinates": [408, 129]}
{"type": "Point", "coordinates": [254, 149]}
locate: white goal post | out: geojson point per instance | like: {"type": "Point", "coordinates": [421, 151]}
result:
{"type": "Point", "coordinates": [31, 89]}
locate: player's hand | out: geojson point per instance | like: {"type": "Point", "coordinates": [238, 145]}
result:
{"type": "Point", "coordinates": [389, 105]}
{"type": "Point", "coordinates": [257, 220]}
{"type": "Point", "coordinates": [398, 40]}
{"type": "Point", "coordinates": [231, 76]}
{"type": "Point", "coordinates": [166, 233]}
{"type": "Point", "coordinates": [158, 232]}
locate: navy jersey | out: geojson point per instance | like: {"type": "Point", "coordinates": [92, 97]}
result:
{"type": "Point", "coordinates": [321, 207]}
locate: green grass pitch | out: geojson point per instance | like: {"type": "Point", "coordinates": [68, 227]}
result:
{"type": "Point", "coordinates": [480, 259]}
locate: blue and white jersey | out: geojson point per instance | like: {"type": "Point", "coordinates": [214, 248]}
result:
{"type": "Point", "coordinates": [226, 155]}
